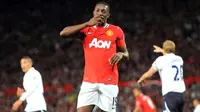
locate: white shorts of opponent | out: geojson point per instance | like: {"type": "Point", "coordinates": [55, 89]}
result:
{"type": "Point", "coordinates": [102, 95]}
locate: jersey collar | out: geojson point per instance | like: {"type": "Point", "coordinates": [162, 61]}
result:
{"type": "Point", "coordinates": [170, 54]}
{"type": "Point", "coordinates": [105, 26]}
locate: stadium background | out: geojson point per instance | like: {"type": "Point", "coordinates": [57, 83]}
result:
{"type": "Point", "coordinates": [32, 28]}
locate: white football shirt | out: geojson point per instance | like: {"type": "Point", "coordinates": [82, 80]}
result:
{"type": "Point", "coordinates": [170, 68]}
{"type": "Point", "coordinates": [197, 108]}
{"type": "Point", "coordinates": [33, 94]}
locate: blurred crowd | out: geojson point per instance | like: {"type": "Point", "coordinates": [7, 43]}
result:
{"type": "Point", "coordinates": [32, 28]}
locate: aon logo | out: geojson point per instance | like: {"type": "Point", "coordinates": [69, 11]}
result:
{"type": "Point", "coordinates": [100, 44]}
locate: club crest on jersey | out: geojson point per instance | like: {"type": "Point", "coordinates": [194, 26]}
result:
{"type": "Point", "coordinates": [99, 43]}
{"type": "Point", "coordinates": [109, 33]}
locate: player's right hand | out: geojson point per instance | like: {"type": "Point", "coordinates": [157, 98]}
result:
{"type": "Point", "coordinates": [95, 21]}
{"type": "Point", "coordinates": [20, 91]}
{"type": "Point", "coordinates": [16, 105]}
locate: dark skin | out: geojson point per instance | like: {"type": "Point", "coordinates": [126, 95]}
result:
{"type": "Point", "coordinates": [100, 16]}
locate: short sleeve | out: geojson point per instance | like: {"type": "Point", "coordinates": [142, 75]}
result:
{"type": "Point", "coordinates": [85, 30]}
{"type": "Point", "coordinates": [121, 38]}
{"type": "Point", "coordinates": [137, 103]}
{"type": "Point", "coordinates": [83, 33]}
{"type": "Point", "coordinates": [155, 64]}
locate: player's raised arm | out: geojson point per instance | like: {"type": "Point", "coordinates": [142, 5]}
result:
{"type": "Point", "coordinates": [157, 49]}
{"type": "Point", "coordinates": [69, 30]}
{"type": "Point", "coordinates": [72, 29]}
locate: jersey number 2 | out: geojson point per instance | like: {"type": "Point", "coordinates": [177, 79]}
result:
{"type": "Point", "coordinates": [179, 72]}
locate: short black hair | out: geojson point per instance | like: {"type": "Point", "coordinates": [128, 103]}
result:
{"type": "Point", "coordinates": [104, 3]}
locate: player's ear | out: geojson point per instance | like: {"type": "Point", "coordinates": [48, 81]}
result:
{"type": "Point", "coordinates": [93, 13]}
{"type": "Point", "coordinates": [108, 15]}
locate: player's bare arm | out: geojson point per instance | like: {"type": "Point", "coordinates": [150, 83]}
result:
{"type": "Point", "coordinates": [69, 30]}
{"type": "Point", "coordinates": [16, 105]}
{"type": "Point", "coordinates": [19, 102]}
{"type": "Point", "coordinates": [137, 109]}
{"type": "Point", "coordinates": [20, 91]}
{"type": "Point", "coordinates": [123, 54]}
{"type": "Point", "coordinates": [146, 75]}
{"type": "Point", "coordinates": [151, 71]}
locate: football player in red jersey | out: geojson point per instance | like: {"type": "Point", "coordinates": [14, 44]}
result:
{"type": "Point", "coordinates": [100, 43]}
{"type": "Point", "coordinates": [143, 102]}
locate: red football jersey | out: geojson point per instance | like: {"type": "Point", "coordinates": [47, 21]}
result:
{"type": "Point", "coordinates": [145, 103]}
{"type": "Point", "coordinates": [100, 44]}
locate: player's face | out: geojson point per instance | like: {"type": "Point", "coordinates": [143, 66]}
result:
{"type": "Point", "coordinates": [25, 65]}
{"type": "Point", "coordinates": [136, 92]}
{"type": "Point", "coordinates": [102, 11]}
{"type": "Point", "coordinates": [195, 103]}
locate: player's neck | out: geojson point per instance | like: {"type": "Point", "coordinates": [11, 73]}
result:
{"type": "Point", "coordinates": [28, 69]}
{"type": "Point", "coordinates": [164, 53]}
{"type": "Point", "coordinates": [141, 94]}
{"type": "Point", "coordinates": [101, 25]}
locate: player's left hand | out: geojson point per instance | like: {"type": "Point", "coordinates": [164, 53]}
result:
{"type": "Point", "coordinates": [116, 58]}
{"type": "Point", "coordinates": [16, 105]}
{"type": "Point", "coordinates": [157, 49]}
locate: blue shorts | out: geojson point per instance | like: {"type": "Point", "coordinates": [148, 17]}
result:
{"type": "Point", "coordinates": [173, 102]}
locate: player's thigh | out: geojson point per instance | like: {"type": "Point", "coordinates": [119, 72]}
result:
{"type": "Point", "coordinates": [108, 97]}
{"type": "Point", "coordinates": [88, 108]}
{"type": "Point", "coordinates": [181, 109]}
{"type": "Point", "coordinates": [181, 102]}
{"type": "Point", "coordinates": [97, 109]}
{"type": "Point", "coordinates": [88, 95]}
{"type": "Point", "coordinates": [170, 101]}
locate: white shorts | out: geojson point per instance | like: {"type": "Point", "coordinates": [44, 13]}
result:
{"type": "Point", "coordinates": [102, 95]}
